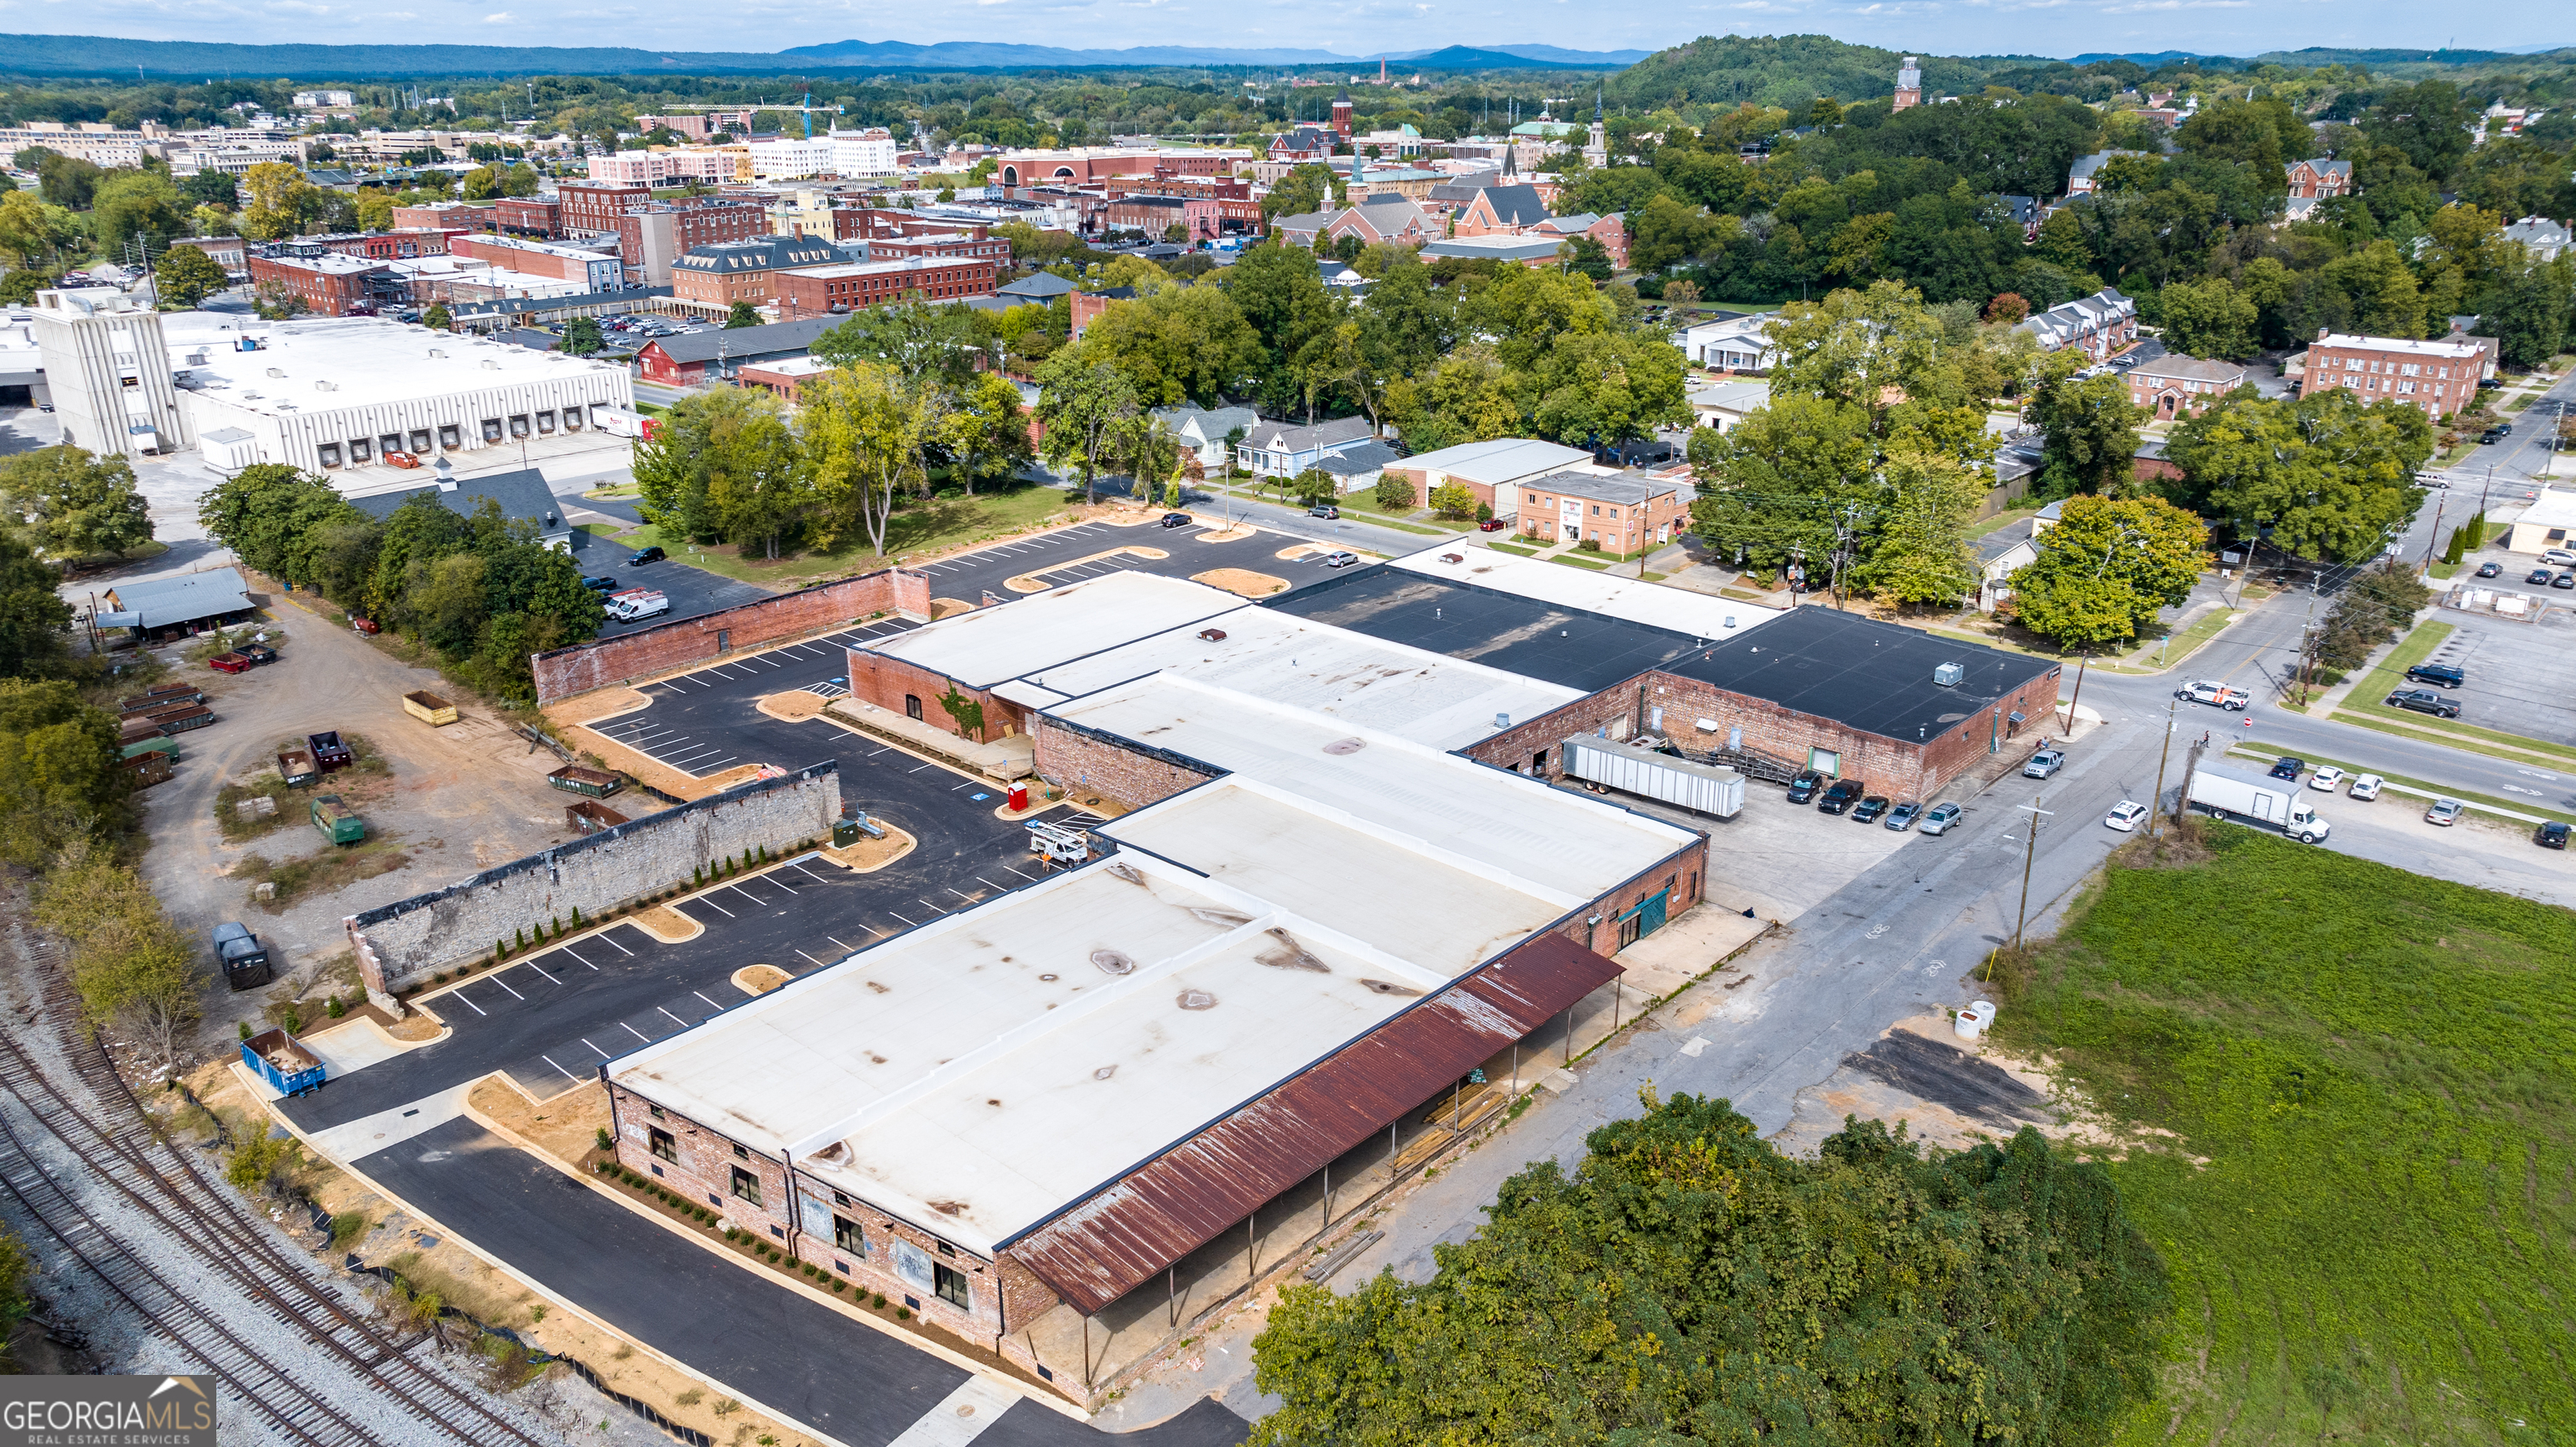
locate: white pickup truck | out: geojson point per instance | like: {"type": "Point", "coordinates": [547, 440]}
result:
{"type": "Point", "coordinates": [2215, 694]}
{"type": "Point", "coordinates": [637, 603]}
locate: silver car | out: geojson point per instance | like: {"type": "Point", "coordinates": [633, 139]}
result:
{"type": "Point", "coordinates": [2044, 763]}
{"type": "Point", "coordinates": [1939, 819]}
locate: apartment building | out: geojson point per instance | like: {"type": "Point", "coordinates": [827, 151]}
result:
{"type": "Point", "coordinates": [591, 208]}
{"type": "Point", "coordinates": [852, 286]}
{"type": "Point", "coordinates": [2436, 376]}
{"type": "Point", "coordinates": [2175, 386]}
{"type": "Point", "coordinates": [716, 277]}
{"type": "Point", "coordinates": [2100, 324]}
{"type": "Point", "coordinates": [1624, 512]}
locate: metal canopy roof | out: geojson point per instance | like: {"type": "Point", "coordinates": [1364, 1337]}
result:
{"type": "Point", "coordinates": [1117, 1240]}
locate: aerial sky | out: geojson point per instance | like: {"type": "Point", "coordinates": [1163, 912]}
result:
{"type": "Point", "coordinates": [1349, 27]}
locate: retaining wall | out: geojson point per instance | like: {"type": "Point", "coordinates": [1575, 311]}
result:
{"type": "Point", "coordinates": [564, 672]}
{"type": "Point", "coordinates": [399, 943]}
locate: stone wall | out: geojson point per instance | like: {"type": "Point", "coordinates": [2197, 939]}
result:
{"type": "Point", "coordinates": [1078, 759]}
{"type": "Point", "coordinates": [400, 942]}
{"type": "Point", "coordinates": [683, 641]}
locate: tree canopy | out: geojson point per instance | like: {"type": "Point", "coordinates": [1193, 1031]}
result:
{"type": "Point", "coordinates": [1687, 1283]}
{"type": "Point", "coordinates": [2322, 476]}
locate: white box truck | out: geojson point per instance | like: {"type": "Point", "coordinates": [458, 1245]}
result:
{"type": "Point", "coordinates": [635, 603]}
{"type": "Point", "coordinates": [2246, 798]}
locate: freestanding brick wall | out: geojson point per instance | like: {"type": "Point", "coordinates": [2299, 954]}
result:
{"type": "Point", "coordinates": [892, 684]}
{"type": "Point", "coordinates": [564, 672]}
{"type": "Point", "coordinates": [399, 942]}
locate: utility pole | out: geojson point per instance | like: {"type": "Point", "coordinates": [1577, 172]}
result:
{"type": "Point", "coordinates": [2079, 694]}
{"type": "Point", "coordinates": [2156, 806]}
{"type": "Point", "coordinates": [2436, 539]}
{"type": "Point", "coordinates": [2030, 853]}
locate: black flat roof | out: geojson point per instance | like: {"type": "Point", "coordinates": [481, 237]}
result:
{"type": "Point", "coordinates": [1535, 639]}
{"type": "Point", "coordinates": [1861, 673]}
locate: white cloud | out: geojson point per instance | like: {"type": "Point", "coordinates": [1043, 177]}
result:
{"type": "Point", "coordinates": [499, 17]}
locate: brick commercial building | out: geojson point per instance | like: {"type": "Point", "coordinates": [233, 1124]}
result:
{"type": "Point", "coordinates": [402, 245]}
{"type": "Point", "coordinates": [1199, 218]}
{"type": "Point", "coordinates": [654, 234]}
{"type": "Point", "coordinates": [2175, 386]}
{"type": "Point", "coordinates": [690, 358]}
{"type": "Point", "coordinates": [965, 243]}
{"type": "Point", "coordinates": [539, 217]}
{"type": "Point", "coordinates": [588, 266]}
{"type": "Point", "coordinates": [591, 208]}
{"type": "Point", "coordinates": [714, 278]}
{"type": "Point", "coordinates": [2436, 376]}
{"type": "Point", "coordinates": [1625, 512]}
{"type": "Point", "coordinates": [854, 285]}
{"type": "Point", "coordinates": [328, 283]}
{"type": "Point", "coordinates": [1490, 470]}
{"type": "Point", "coordinates": [459, 216]}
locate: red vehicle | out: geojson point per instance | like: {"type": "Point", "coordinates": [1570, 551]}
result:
{"type": "Point", "coordinates": [1491, 525]}
{"type": "Point", "coordinates": [228, 663]}
{"type": "Point", "coordinates": [363, 625]}
{"type": "Point", "coordinates": [401, 459]}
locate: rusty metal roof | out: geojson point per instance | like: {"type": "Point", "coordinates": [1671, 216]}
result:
{"type": "Point", "coordinates": [1118, 1238]}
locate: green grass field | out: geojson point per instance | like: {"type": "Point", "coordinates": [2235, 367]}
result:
{"type": "Point", "coordinates": [2368, 1199]}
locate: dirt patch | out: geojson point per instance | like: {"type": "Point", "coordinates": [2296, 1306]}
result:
{"type": "Point", "coordinates": [418, 1026]}
{"type": "Point", "coordinates": [1302, 550]}
{"type": "Point", "coordinates": [564, 1126]}
{"type": "Point", "coordinates": [1234, 534]}
{"type": "Point", "coordinates": [666, 924]}
{"type": "Point", "coordinates": [948, 608]}
{"type": "Point", "coordinates": [1035, 582]}
{"type": "Point", "coordinates": [718, 783]}
{"type": "Point", "coordinates": [795, 705]}
{"type": "Point", "coordinates": [760, 979]}
{"type": "Point", "coordinates": [1242, 582]}
{"type": "Point", "coordinates": [596, 705]}
{"type": "Point", "coordinates": [868, 854]}
{"type": "Point", "coordinates": [328, 872]}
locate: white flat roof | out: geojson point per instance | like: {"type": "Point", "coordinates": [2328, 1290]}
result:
{"type": "Point", "coordinates": [2451, 350]}
{"type": "Point", "coordinates": [2555, 507]}
{"type": "Point", "coordinates": [1503, 459]}
{"type": "Point", "coordinates": [981, 1072]}
{"type": "Point", "coordinates": [366, 360]}
{"type": "Point", "coordinates": [988, 645]}
{"type": "Point", "coordinates": [1630, 599]}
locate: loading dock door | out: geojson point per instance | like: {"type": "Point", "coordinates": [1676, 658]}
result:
{"type": "Point", "coordinates": [1827, 762]}
{"type": "Point", "coordinates": [1645, 919]}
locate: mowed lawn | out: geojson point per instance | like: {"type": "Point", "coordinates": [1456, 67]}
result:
{"type": "Point", "coordinates": [2380, 1072]}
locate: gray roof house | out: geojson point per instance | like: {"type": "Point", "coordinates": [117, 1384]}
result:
{"type": "Point", "coordinates": [2542, 238]}
{"type": "Point", "coordinates": [1203, 430]}
{"type": "Point", "coordinates": [211, 597]}
{"type": "Point", "coordinates": [1360, 466]}
{"type": "Point", "coordinates": [1282, 449]}
{"type": "Point", "coordinates": [521, 493]}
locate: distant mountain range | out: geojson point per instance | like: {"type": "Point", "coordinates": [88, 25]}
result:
{"type": "Point", "coordinates": [2325, 55]}
{"type": "Point", "coordinates": [105, 55]}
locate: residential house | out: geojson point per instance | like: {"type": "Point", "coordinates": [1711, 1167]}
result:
{"type": "Point", "coordinates": [2490, 348]}
{"type": "Point", "coordinates": [1726, 405]}
{"type": "Point", "coordinates": [1283, 449]}
{"type": "Point", "coordinates": [1304, 145]}
{"type": "Point", "coordinates": [1732, 344]}
{"type": "Point", "coordinates": [1492, 470]}
{"type": "Point", "coordinates": [1090, 306]}
{"type": "Point", "coordinates": [2099, 325]}
{"type": "Point", "coordinates": [1203, 430]}
{"type": "Point", "coordinates": [2439, 377]}
{"type": "Point", "coordinates": [1611, 231]}
{"type": "Point", "coordinates": [1359, 467]}
{"type": "Point", "coordinates": [2006, 551]}
{"type": "Point", "coordinates": [2080, 178]}
{"type": "Point", "coordinates": [2175, 386]}
{"type": "Point", "coordinates": [2318, 177]}
{"type": "Point", "coordinates": [2024, 211]}
{"type": "Point", "coordinates": [2545, 522]}
{"type": "Point", "coordinates": [2540, 238]}
{"type": "Point", "coordinates": [1623, 512]}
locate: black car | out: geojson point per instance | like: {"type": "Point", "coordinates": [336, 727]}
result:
{"type": "Point", "coordinates": [1804, 787]}
{"type": "Point", "coordinates": [2552, 835]}
{"type": "Point", "coordinates": [2444, 675]}
{"type": "Point", "coordinates": [1868, 810]}
{"type": "Point", "coordinates": [1840, 796]}
{"type": "Point", "coordinates": [2494, 435]}
{"type": "Point", "coordinates": [1324, 510]}
{"type": "Point", "coordinates": [2490, 570]}
{"type": "Point", "coordinates": [2540, 576]}
{"type": "Point", "coordinates": [2289, 768]}
{"type": "Point", "coordinates": [2424, 700]}
{"type": "Point", "coordinates": [646, 555]}
{"type": "Point", "coordinates": [1176, 519]}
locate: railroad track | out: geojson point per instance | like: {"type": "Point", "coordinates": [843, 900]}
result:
{"type": "Point", "coordinates": [212, 1222]}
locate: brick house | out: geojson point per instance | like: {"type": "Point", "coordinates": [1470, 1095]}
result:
{"type": "Point", "coordinates": [714, 278]}
{"type": "Point", "coordinates": [2317, 178]}
{"type": "Point", "coordinates": [855, 285]}
{"type": "Point", "coordinates": [2175, 386]}
{"type": "Point", "coordinates": [2436, 376]}
{"type": "Point", "coordinates": [1821, 689]}
{"type": "Point", "coordinates": [1302, 146]}
{"type": "Point", "coordinates": [1625, 512]}
{"type": "Point", "coordinates": [1491, 470]}
{"type": "Point", "coordinates": [2100, 324]}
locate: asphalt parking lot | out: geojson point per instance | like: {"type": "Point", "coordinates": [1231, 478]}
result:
{"type": "Point", "coordinates": [794, 1356]}
{"type": "Point", "coordinates": [701, 741]}
{"type": "Point", "coordinates": [692, 590]}
{"type": "Point", "coordinates": [1056, 558]}
{"type": "Point", "coordinates": [2521, 676]}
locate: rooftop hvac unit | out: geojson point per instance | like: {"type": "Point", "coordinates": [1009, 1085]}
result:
{"type": "Point", "coordinates": [1948, 675]}
{"type": "Point", "coordinates": [277, 371]}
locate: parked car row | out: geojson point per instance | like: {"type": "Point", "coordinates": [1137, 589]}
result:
{"type": "Point", "coordinates": [1851, 796]}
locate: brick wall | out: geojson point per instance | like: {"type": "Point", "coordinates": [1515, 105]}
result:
{"type": "Point", "coordinates": [565, 672]}
{"type": "Point", "coordinates": [893, 685]}
{"type": "Point", "coordinates": [1074, 758]}
{"type": "Point", "coordinates": [1683, 875]}
{"type": "Point", "coordinates": [704, 1169]}
{"type": "Point", "coordinates": [1900, 769]}
{"type": "Point", "coordinates": [400, 942]}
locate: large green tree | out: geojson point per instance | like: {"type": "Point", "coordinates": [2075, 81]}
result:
{"type": "Point", "coordinates": [74, 505]}
{"type": "Point", "coordinates": [1177, 343]}
{"type": "Point", "coordinates": [2322, 476]}
{"type": "Point", "coordinates": [2088, 430]}
{"type": "Point", "coordinates": [59, 780]}
{"type": "Point", "coordinates": [1922, 553]}
{"type": "Point", "coordinates": [2210, 319]}
{"type": "Point", "coordinates": [1089, 410]}
{"type": "Point", "coordinates": [32, 615]}
{"type": "Point", "coordinates": [186, 275]}
{"type": "Point", "coordinates": [273, 517]}
{"type": "Point", "coordinates": [916, 338]}
{"type": "Point", "coordinates": [1690, 1284]}
{"type": "Point", "coordinates": [2107, 568]}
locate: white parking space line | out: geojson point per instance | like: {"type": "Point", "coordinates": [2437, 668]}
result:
{"type": "Point", "coordinates": [595, 1050]}
{"type": "Point", "coordinates": [988, 884]}
{"type": "Point", "coordinates": [559, 1070]}
{"type": "Point", "coordinates": [586, 962]}
{"type": "Point", "coordinates": [880, 751]}
{"type": "Point", "coordinates": [809, 874]}
{"type": "Point", "coordinates": [540, 969]}
{"type": "Point", "coordinates": [479, 1010]}
{"type": "Point", "coordinates": [907, 924]}
{"type": "Point", "coordinates": [504, 984]}
{"type": "Point", "coordinates": [932, 906]}
{"type": "Point", "coordinates": [810, 958]}
{"type": "Point", "coordinates": [919, 769]}
{"type": "Point", "coordinates": [773, 879]}
{"type": "Point", "coordinates": [631, 1030]}
{"type": "Point", "coordinates": [843, 944]}
{"type": "Point", "coordinates": [953, 788]}
{"type": "Point", "coordinates": [611, 942]}
{"type": "Point", "coordinates": [747, 894]}
{"type": "Point", "coordinates": [710, 1003]}
{"type": "Point", "coordinates": [961, 894]}
{"type": "Point", "coordinates": [1021, 873]}
{"type": "Point", "coordinates": [720, 909]}
{"type": "Point", "coordinates": [727, 759]}
{"type": "Point", "coordinates": [674, 1019]}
